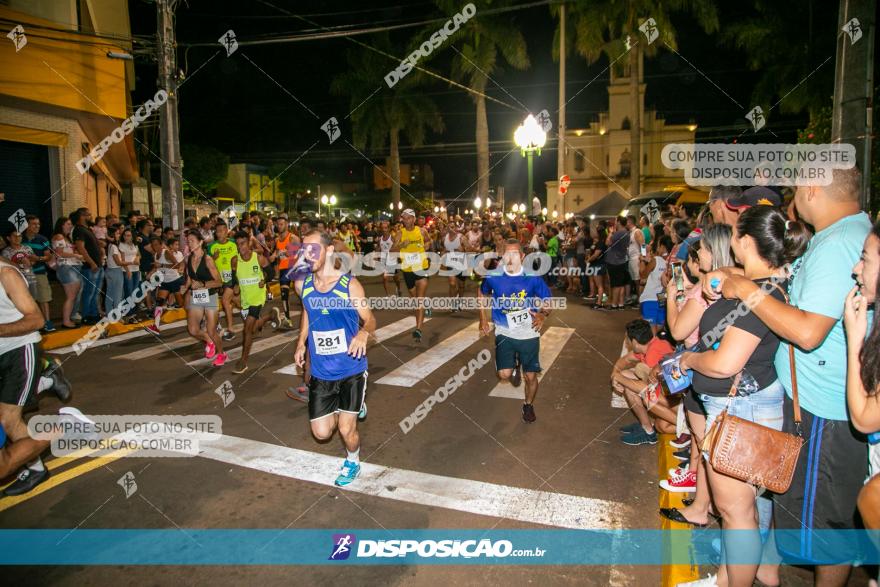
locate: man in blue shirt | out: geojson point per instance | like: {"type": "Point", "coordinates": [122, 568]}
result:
{"type": "Point", "coordinates": [833, 462]}
{"type": "Point", "coordinates": [518, 309]}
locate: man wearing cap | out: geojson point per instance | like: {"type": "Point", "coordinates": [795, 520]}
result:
{"type": "Point", "coordinates": [410, 243]}
{"type": "Point", "coordinates": [718, 198]}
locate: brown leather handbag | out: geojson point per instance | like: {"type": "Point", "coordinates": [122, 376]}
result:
{"type": "Point", "coordinates": [754, 453]}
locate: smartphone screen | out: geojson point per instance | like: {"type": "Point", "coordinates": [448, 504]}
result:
{"type": "Point", "coordinates": [644, 251]}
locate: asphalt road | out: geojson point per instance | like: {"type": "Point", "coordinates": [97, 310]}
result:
{"type": "Point", "coordinates": [471, 463]}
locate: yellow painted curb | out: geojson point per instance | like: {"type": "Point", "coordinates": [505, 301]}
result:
{"type": "Point", "coordinates": [62, 477]}
{"type": "Point", "coordinates": [66, 337]}
{"type": "Point", "coordinates": [672, 574]}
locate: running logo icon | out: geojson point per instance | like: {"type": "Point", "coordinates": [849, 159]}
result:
{"type": "Point", "coordinates": [18, 38]}
{"type": "Point", "coordinates": [229, 42]}
{"type": "Point", "coordinates": [225, 392]}
{"type": "Point", "coordinates": [342, 546]}
{"type": "Point", "coordinates": [757, 118]}
{"type": "Point", "coordinates": [331, 127]}
{"type": "Point", "coordinates": [854, 30]}
{"type": "Point", "coordinates": [649, 29]}
{"type": "Point", "coordinates": [128, 484]}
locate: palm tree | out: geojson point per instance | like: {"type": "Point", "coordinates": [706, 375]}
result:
{"type": "Point", "coordinates": [805, 33]}
{"type": "Point", "coordinates": [380, 117]}
{"type": "Point", "coordinates": [480, 44]}
{"type": "Point", "coordinates": [602, 27]}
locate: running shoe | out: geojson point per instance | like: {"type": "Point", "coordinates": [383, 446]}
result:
{"type": "Point", "coordinates": [630, 428]}
{"type": "Point", "coordinates": [220, 360]}
{"type": "Point", "coordinates": [682, 441]}
{"type": "Point", "coordinates": [639, 437]}
{"type": "Point", "coordinates": [48, 326]}
{"type": "Point", "coordinates": [516, 376]}
{"type": "Point", "coordinates": [240, 368]}
{"type": "Point", "coordinates": [684, 483]}
{"type": "Point", "coordinates": [210, 350]}
{"type": "Point", "coordinates": [417, 335]}
{"type": "Point", "coordinates": [348, 473]}
{"type": "Point", "coordinates": [276, 318]}
{"type": "Point", "coordinates": [228, 335]}
{"type": "Point", "coordinates": [428, 312]}
{"type": "Point", "coordinates": [683, 454]}
{"type": "Point", "coordinates": [60, 384]}
{"type": "Point", "coordinates": [362, 415]}
{"type": "Point", "coordinates": [300, 393]}
{"type": "Point", "coordinates": [679, 470]}
{"type": "Point", "coordinates": [157, 316]}
{"type": "Point", "coordinates": [26, 481]}
{"type": "Point", "coordinates": [154, 329]}
{"type": "Point", "coordinates": [528, 413]}
{"type": "Point", "coordinates": [709, 581]}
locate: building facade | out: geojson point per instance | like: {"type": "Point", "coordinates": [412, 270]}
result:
{"type": "Point", "coordinates": [63, 89]}
{"type": "Point", "coordinates": [598, 158]}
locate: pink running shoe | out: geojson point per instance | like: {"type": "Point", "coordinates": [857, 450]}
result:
{"type": "Point", "coordinates": [210, 350]}
{"type": "Point", "coordinates": [157, 316]}
{"type": "Point", "coordinates": [220, 360]}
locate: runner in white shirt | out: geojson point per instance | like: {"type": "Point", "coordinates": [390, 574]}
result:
{"type": "Point", "coordinates": [454, 260]}
{"type": "Point", "coordinates": [169, 264]}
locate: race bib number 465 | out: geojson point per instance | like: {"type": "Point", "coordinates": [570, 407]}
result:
{"type": "Point", "coordinates": [201, 296]}
{"type": "Point", "coordinates": [330, 342]}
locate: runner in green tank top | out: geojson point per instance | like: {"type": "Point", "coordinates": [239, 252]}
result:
{"type": "Point", "coordinates": [222, 249]}
{"type": "Point", "coordinates": [247, 267]}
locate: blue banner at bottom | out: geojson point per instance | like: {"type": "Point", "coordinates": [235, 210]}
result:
{"type": "Point", "coordinates": [417, 547]}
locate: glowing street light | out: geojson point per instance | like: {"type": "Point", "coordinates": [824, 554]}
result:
{"type": "Point", "coordinates": [478, 203]}
{"type": "Point", "coordinates": [555, 214]}
{"type": "Point", "coordinates": [530, 137]}
{"type": "Point", "coordinates": [543, 211]}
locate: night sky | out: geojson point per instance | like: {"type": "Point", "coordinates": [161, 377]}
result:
{"type": "Point", "coordinates": [226, 102]}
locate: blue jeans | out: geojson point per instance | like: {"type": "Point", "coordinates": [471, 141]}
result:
{"type": "Point", "coordinates": [115, 278]}
{"type": "Point", "coordinates": [762, 407]}
{"type": "Point", "coordinates": [91, 285]}
{"type": "Point", "coordinates": [131, 284]}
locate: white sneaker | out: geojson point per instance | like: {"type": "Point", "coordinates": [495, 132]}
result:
{"type": "Point", "coordinates": [709, 581]}
{"type": "Point", "coordinates": [676, 471]}
{"type": "Point", "coordinates": [157, 316]}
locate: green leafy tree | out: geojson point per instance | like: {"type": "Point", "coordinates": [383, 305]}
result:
{"type": "Point", "coordinates": [598, 28]}
{"type": "Point", "coordinates": [483, 44]}
{"type": "Point", "coordinates": [819, 130]}
{"type": "Point", "coordinates": [379, 118]}
{"type": "Point", "coordinates": [203, 167]}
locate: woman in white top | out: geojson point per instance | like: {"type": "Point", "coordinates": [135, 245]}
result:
{"type": "Point", "coordinates": [113, 272]}
{"type": "Point", "coordinates": [130, 258]}
{"type": "Point", "coordinates": [67, 262]}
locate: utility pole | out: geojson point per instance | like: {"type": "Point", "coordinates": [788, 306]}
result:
{"type": "Point", "coordinates": [851, 118]}
{"type": "Point", "coordinates": [169, 129]}
{"type": "Point", "coordinates": [560, 145]}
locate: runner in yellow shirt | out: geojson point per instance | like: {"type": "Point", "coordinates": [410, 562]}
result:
{"type": "Point", "coordinates": [410, 243]}
{"type": "Point", "coordinates": [247, 266]}
{"type": "Point", "coordinates": [222, 250]}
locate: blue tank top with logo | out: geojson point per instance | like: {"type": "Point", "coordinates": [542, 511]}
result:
{"type": "Point", "coordinates": [333, 323]}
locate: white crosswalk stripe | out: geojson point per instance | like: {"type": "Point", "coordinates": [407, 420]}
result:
{"type": "Point", "coordinates": [381, 335]}
{"type": "Point", "coordinates": [121, 337]}
{"type": "Point", "coordinates": [433, 358]}
{"type": "Point", "coordinates": [552, 342]}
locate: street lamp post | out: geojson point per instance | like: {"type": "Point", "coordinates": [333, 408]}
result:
{"type": "Point", "coordinates": [530, 137]}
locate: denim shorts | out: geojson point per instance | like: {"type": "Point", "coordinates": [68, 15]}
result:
{"type": "Point", "coordinates": [68, 274]}
{"type": "Point", "coordinates": [762, 407]}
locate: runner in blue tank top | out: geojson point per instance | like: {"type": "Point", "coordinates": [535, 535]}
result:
{"type": "Point", "coordinates": [334, 306]}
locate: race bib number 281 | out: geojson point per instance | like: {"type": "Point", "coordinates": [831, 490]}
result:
{"type": "Point", "coordinates": [330, 342]}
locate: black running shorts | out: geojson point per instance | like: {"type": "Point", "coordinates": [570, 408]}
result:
{"type": "Point", "coordinates": [20, 374]}
{"type": "Point", "coordinates": [410, 278]}
{"type": "Point", "coordinates": [341, 395]}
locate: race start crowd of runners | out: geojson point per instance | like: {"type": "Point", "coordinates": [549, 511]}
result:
{"type": "Point", "coordinates": [805, 262]}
